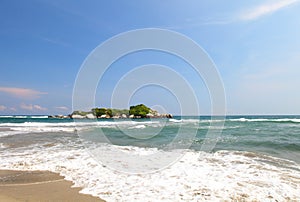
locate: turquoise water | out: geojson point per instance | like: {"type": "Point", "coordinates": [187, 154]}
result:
{"type": "Point", "coordinates": [273, 135]}
{"type": "Point", "coordinates": [253, 158]}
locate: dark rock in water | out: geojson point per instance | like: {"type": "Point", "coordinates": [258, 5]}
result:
{"type": "Point", "coordinates": [169, 116]}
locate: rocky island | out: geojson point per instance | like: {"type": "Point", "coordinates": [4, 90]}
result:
{"type": "Point", "coordinates": [134, 112]}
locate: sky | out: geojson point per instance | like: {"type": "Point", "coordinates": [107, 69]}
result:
{"type": "Point", "coordinates": [254, 45]}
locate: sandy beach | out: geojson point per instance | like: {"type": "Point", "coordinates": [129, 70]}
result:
{"type": "Point", "coordinates": [39, 186]}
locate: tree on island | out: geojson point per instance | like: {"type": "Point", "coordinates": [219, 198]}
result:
{"type": "Point", "coordinates": [139, 110]}
{"type": "Point", "coordinates": [119, 112]}
{"type": "Point", "coordinates": [98, 112]}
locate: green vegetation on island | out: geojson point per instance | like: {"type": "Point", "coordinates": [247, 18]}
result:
{"type": "Point", "coordinates": [137, 111]}
{"type": "Point", "coordinates": [98, 112]}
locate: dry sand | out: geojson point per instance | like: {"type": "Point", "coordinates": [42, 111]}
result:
{"type": "Point", "coordinates": [33, 186]}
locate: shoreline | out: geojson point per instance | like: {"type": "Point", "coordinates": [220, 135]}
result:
{"type": "Point", "coordinates": [34, 186]}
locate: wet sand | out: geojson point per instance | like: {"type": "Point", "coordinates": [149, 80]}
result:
{"type": "Point", "coordinates": [33, 186]}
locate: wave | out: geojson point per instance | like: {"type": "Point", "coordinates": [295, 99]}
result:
{"type": "Point", "coordinates": [9, 129]}
{"type": "Point", "coordinates": [17, 117]}
{"type": "Point", "coordinates": [282, 120]}
{"type": "Point", "coordinates": [38, 127]}
{"type": "Point", "coordinates": [6, 116]}
{"type": "Point", "coordinates": [175, 120]}
{"type": "Point", "coordinates": [224, 175]}
{"type": "Point", "coordinates": [288, 120]}
{"type": "Point", "coordinates": [10, 133]}
{"type": "Point", "coordinates": [70, 126]}
{"type": "Point", "coordinates": [2, 145]}
{"type": "Point", "coordinates": [38, 117]}
{"type": "Point", "coordinates": [20, 117]}
{"type": "Point", "coordinates": [24, 117]}
{"type": "Point", "coordinates": [138, 127]}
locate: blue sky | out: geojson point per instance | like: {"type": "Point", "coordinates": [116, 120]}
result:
{"type": "Point", "coordinates": [255, 46]}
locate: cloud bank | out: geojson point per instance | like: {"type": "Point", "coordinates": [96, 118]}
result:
{"type": "Point", "coordinates": [23, 93]}
{"type": "Point", "coordinates": [62, 108]}
{"type": "Point", "coordinates": [31, 107]}
{"type": "Point", "coordinates": [265, 9]}
{"type": "Point", "coordinates": [2, 108]}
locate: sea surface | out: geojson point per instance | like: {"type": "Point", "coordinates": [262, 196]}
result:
{"type": "Point", "coordinates": [249, 158]}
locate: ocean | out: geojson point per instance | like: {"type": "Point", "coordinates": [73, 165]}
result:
{"type": "Point", "coordinates": [249, 158]}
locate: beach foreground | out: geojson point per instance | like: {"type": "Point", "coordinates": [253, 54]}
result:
{"type": "Point", "coordinates": [38, 186]}
{"type": "Point", "coordinates": [256, 158]}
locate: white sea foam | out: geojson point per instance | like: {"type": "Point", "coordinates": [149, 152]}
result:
{"type": "Point", "coordinates": [197, 176]}
{"type": "Point", "coordinates": [2, 145]}
{"type": "Point", "coordinates": [89, 124]}
{"type": "Point", "coordinates": [197, 121]}
{"type": "Point", "coordinates": [23, 117]}
{"type": "Point", "coordinates": [20, 117]}
{"type": "Point", "coordinates": [288, 120]}
{"type": "Point", "coordinates": [175, 120]}
{"type": "Point", "coordinates": [249, 120]}
{"type": "Point", "coordinates": [38, 117]}
{"type": "Point", "coordinates": [9, 133]}
{"type": "Point", "coordinates": [4, 116]}
{"type": "Point", "coordinates": [52, 127]}
{"type": "Point", "coordinates": [37, 127]}
{"type": "Point", "coordinates": [295, 120]}
{"type": "Point", "coordinates": [17, 128]}
{"type": "Point", "coordinates": [137, 126]}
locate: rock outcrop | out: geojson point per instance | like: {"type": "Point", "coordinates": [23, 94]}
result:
{"type": "Point", "coordinates": [77, 116]}
{"type": "Point", "coordinates": [90, 116]}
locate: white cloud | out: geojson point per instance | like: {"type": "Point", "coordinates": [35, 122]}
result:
{"type": "Point", "coordinates": [40, 108]}
{"type": "Point", "coordinates": [62, 108]}
{"type": "Point", "coordinates": [266, 9]}
{"type": "Point", "coordinates": [13, 109]}
{"type": "Point", "coordinates": [2, 108]}
{"type": "Point", "coordinates": [31, 107]}
{"type": "Point", "coordinates": [26, 107]}
{"type": "Point", "coordinates": [24, 93]}
{"type": "Point", "coordinates": [54, 41]}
